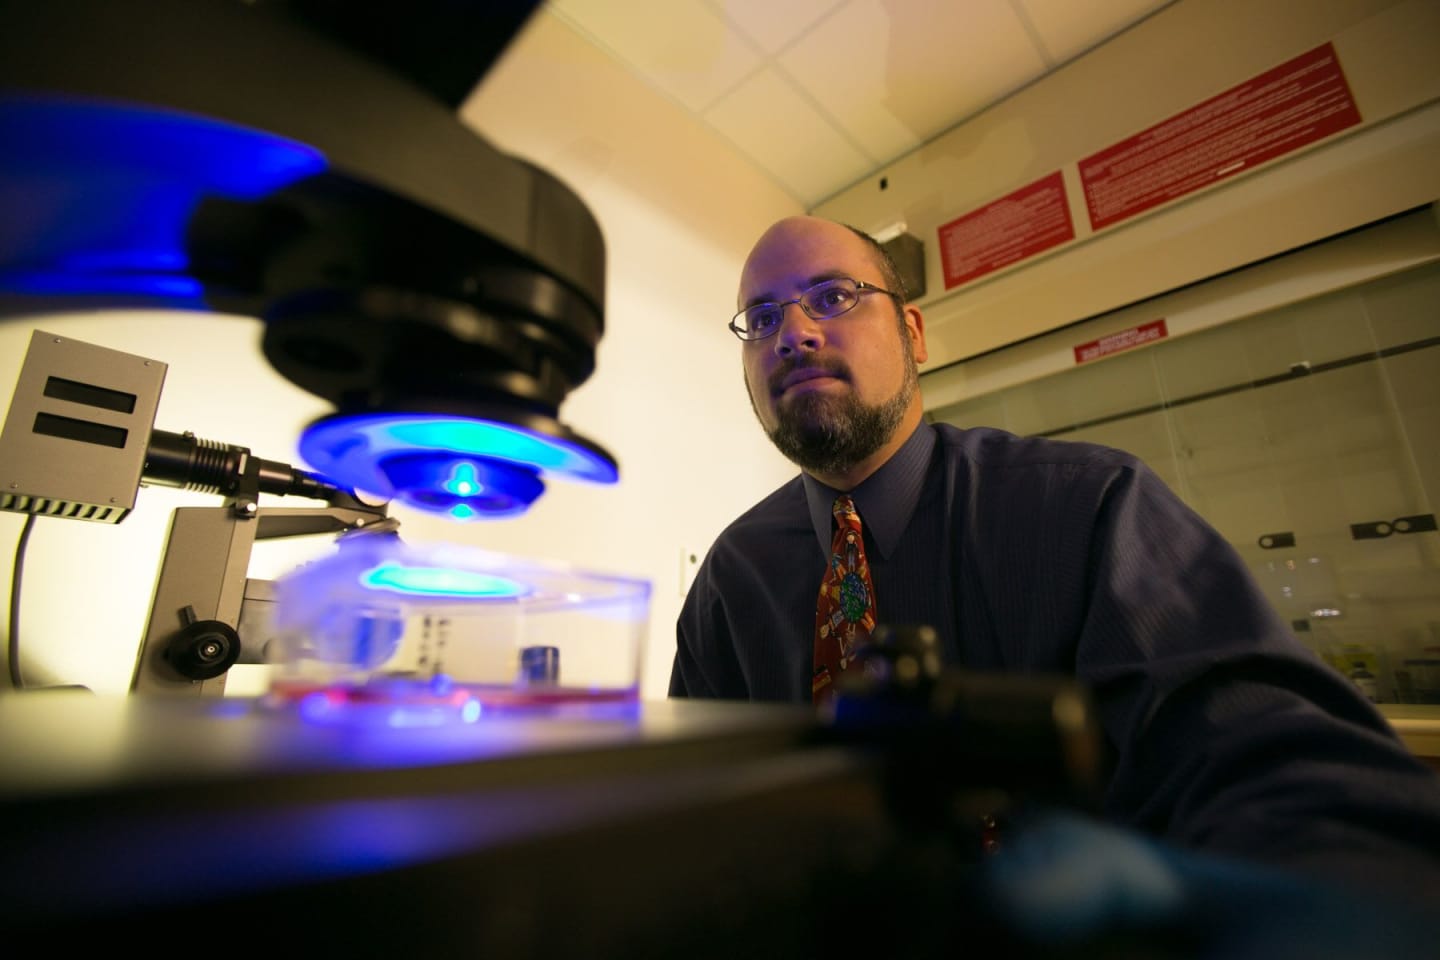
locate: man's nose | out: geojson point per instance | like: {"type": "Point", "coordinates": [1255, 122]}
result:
{"type": "Point", "coordinates": [799, 332]}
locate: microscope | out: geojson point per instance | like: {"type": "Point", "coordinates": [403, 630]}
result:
{"type": "Point", "coordinates": [301, 163]}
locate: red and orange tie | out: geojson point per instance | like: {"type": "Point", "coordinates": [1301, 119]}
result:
{"type": "Point", "coordinates": [845, 610]}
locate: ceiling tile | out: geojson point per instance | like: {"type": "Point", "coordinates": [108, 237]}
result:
{"type": "Point", "coordinates": [819, 93]}
{"type": "Point", "coordinates": [769, 121]}
{"type": "Point", "coordinates": [1068, 29]}
{"type": "Point", "coordinates": [895, 73]}
{"type": "Point", "coordinates": [773, 25]}
{"type": "Point", "coordinates": [683, 47]}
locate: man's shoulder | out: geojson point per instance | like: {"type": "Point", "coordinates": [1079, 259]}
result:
{"type": "Point", "coordinates": [782, 508]}
{"type": "Point", "coordinates": [993, 448]}
{"type": "Point", "coordinates": [768, 534]}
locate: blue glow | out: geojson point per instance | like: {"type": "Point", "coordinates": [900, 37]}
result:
{"type": "Point", "coordinates": [438, 480]}
{"type": "Point", "coordinates": [231, 707]}
{"type": "Point", "coordinates": [387, 434]}
{"type": "Point", "coordinates": [405, 717]}
{"type": "Point", "coordinates": [115, 261]}
{"type": "Point", "coordinates": [314, 707]}
{"type": "Point", "coordinates": [471, 711]}
{"type": "Point", "coordinates": [56, 135]}
{"type": "Point", "coordinates": [439, 582]}
{"type": "Point", "coordinates": [464, 481]}
{"type": "Point", "coordinates": [479, 436]}
{"type": "Point", "coordinates": [99, 195]}
{"type": "Point", "coordinates": [432, 461]}
{"type": "Point", "coordinates": [38, 283]}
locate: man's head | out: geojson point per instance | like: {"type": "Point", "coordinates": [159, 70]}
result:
{"type": "Point", "coordinates": [837, 396]}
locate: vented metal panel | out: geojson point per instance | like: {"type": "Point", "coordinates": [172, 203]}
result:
{"type": "Point", "coordinates": [77, 431]}
{"type": "Point", "coordinates": [61, 508]}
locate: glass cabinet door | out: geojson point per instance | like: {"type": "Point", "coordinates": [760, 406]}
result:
{"type": "Point", "coordinates": [1309, 436]}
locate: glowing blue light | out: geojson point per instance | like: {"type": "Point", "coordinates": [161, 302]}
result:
{"type": "Point", "coordinates": [471, 711]}
{"type": "Point", "coordinates": [55, 135]}
{"type": "Point", "coordinates": [137, 174]}
{"type": "Point", "coordinates": [481, 437]}
{"type": "Point", "coordinates": [50, 283]}
{"type": "Point", "coordinates": [431, 461]}
{"type": "Point", "coordinates": [439, 582]}
{"type": "Point", "coordinates": [464, 481]}
{"type": "Point", "coordinates": [405, 717]}
{"type": "Point", "coordinates": [119, 261]}
{"type": "Point", "coordinates": [314, 706]}
{"type": "Point", "coordinates": [344, 441]}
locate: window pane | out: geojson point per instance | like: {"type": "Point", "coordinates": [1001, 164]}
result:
{"type": "Point", "coordinates": [1320, 420]}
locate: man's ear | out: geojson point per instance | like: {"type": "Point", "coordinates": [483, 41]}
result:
{"type": "Point", "coordinates": [915, 324]}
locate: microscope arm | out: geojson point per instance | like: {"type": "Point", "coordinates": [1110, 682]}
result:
{"type": "Point", "coordinates": [190, 638]}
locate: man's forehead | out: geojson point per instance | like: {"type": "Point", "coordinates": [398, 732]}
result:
{"type": "Point", "coordinates": [795, 255]}
{"type": "Point", "coordinates": [784, 291]}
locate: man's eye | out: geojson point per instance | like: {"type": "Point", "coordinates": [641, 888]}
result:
{"type": "Point", "coordinates": [833, 298]}
{"type": "Point", "coordinates": [763, 318]}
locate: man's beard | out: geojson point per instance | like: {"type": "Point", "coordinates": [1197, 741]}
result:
{"type": "Point", "coordinates": [823, 434]}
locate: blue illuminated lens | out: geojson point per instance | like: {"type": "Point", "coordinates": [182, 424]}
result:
{"type": "Point", "coordinates": [462, 466]}
{"type": "Point", "coordinates": [482, 437]}
{"type": "Point", "coordinates": [137, 174]}
{"type": "Point", "coordinates": [439, 582]}
{"type": "Point", "coordinates": [442, 481]}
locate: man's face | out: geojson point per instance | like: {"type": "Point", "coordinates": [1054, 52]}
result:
{"type": "Point", "coordinates": [829, 393]}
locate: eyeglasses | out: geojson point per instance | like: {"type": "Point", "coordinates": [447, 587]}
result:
{"type": "Point", "coordinates": [824, 301]}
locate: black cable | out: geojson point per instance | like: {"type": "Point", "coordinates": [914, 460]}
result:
{"type": "Point", "coordinates": [16, 680]}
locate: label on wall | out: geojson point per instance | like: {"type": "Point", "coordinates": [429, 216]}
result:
{"type": "Point", "coordinates": [1005, 231]}
{"type": "Point", "coordinates": [1295, 104]}
{"type": "Point", "coordinates": [1123, 340]}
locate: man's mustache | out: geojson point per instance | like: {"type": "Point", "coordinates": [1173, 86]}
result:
{"type": "Point", "coordinates": [831, 366]}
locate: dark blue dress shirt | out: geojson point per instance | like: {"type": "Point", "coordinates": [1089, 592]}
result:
{"type": "Point", "coordinates": [1044, 556]}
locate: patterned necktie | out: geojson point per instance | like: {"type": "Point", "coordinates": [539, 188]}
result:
{"type": "Point", "coordinates": [845, 610]}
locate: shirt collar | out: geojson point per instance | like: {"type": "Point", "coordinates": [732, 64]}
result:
{"type": "Point", "coordinates": [885, 500]}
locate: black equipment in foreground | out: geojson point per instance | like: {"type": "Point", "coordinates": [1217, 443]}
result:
{"type": "Point", "coordinates": [667, 829]}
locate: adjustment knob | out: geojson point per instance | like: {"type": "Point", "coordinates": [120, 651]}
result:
{"type": "Point", "coordinates": [203, 649]}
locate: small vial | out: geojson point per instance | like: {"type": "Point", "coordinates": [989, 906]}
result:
{"type": "Point", "coordinates": [539, 666]}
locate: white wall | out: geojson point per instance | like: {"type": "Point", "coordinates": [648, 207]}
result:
{"type": "Point", "coordinates": [679, 210]}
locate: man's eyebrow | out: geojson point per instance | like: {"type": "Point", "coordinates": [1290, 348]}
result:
{"type": "Point", "coordinates": [768, 297]}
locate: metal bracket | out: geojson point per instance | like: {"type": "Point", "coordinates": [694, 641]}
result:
{"type": "Point", "coordinates": [203, 569]}
{"type": "Point", "coordinates": [1380, 529]}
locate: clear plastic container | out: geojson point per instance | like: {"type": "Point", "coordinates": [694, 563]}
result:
{"type": "Point", "coordinates": [448, 632]}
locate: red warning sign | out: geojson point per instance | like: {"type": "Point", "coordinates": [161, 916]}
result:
{"type": "Point", "coordinates": [1297, 103]}
{"type": "Point", "coordinates": [1005, 231]}
{"type": "Point", "coordinates": [1124, 340]}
